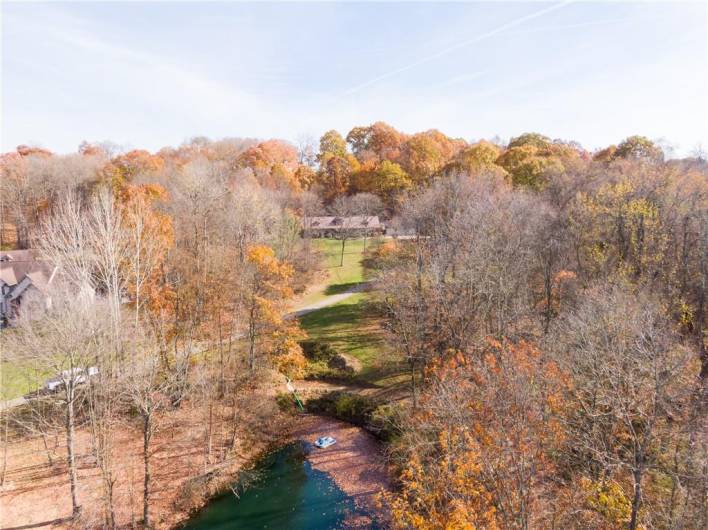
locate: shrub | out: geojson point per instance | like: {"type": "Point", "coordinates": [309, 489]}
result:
{"type": "Point", "coordinates": [285, 402]}
{"type": "Point", "coordinates": [379, 420]}
{"type": "Point", "coordinates": [322, 371]}
{"type": "Point", "coordinates": [352, 408]}
{"type": "Point", "coordinates": [339, 363]}
{"type": "Point", "coordinates": [316, 350]}
{"type": "Point", "coordinates": [383, 423]}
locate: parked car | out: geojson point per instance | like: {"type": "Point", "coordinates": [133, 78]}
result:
{"type": "Point", "coordinates": [325, 442]}
{"type": "Point", "coordinates": [78, 375]}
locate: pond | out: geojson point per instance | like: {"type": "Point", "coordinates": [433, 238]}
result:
{"type": "Point", "coordinates": [287, 493]}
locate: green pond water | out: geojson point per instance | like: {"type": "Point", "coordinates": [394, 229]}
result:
{"type": "Point", "coordinates": [287, 493]}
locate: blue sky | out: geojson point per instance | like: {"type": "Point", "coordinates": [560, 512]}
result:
{"type": "Point", "coordinates": [155, 74]}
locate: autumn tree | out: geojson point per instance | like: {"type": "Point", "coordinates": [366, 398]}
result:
{"type": "Point", "coordinates": [639, 148]}
{"type": "Point", "coordinates": [531, 139]}
{"type": "Point", "coordinates": [274, 163]}
{"type": "Point", "coordinates": [376, 142]}
{"type": "Point", "coordinates": [477, 453]}
{"type": "Point", "coordinates": [477, 159]}
{"type": "Point", "coordinates": [130, 165]}
{"type": "Point", "coordinates": [267, 289]}
{"type": "Point", "coordinates": [336, 166]}
{"type": "Point", "coordinates": [331, 144]}
{"type": "Point", "coordinates": [66, 347]}
{"type": "Point", "coordinates": [150, 235]}
{"type": "Point", "coordinates": [424, 155]}
{"type": "Point", "coordinates": [33, 181]}
{"type": "Point", "coordinates": [631, 381]}
{"type": "Point", "coordinates": [530, 157]}
{"type": "Point", "coordinates": [387, 179]}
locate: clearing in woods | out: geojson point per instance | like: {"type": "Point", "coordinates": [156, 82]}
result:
{"type": "Point", "coordinates": [351, 325]}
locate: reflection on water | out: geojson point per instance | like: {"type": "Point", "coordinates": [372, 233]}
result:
{"type": "Point", "coordinates": [288, 494]}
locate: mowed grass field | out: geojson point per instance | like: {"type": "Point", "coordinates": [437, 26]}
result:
{"type": "Point", "coordinates": [16, 380]}
{"type": "Point", "coordinates": [339, 278]}
{"type": "Point", "coordinates": [351, 326]}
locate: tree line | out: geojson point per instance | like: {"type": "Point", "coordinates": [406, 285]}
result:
{"type": "Point", "coordinates": [549, 305]}
{"type": "Point", "coordinates": [171, 290]}
{"type": "Point", "coordinates": [556, 347]}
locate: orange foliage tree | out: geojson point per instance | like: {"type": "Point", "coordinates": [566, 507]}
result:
{"type": "Point", "coordinates": [477, 450]}
{"type": "Point", "coordinates": [425, 154]}
{"type": "Point", "coordinates": [268, 332]}
{"type": "Point", "coordinates": [274, 164]}
{"type": "Point", "coordinates": [379, 141]}
{"type": "Point", "coordinates": [150, 236]}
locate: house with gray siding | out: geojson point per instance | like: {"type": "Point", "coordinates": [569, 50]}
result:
{"type": "Point", "coordinates": [23, 278]}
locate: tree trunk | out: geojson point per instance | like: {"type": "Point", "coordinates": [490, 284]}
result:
{"type": "Point", "coordinates": [209, 434]}
{"type": "Point", "coordinates": [70, 457]}
{"type": "Point", "coordinates": [419, 318]}
{"type": "Point", "coordinates": [147, 431]}
{"type": "Point", "coordinates": [548, 290]}
{"type": "Point", "coordinates": [221, 357]}
{"type": "Point", "coordinates": [108, 485]}
{"type": "Point", "coordinates": [414, 389]}
{"type": "Point", "coordinates": [252, 336]}
{"type": "Point", "coordinates": [50, 460]}
{"type": "Point", "coordinates": [4, 451]}
{"type": "Point", "coordinates": [637, 499]}
{"type": "Point", "coordinates": [232, 444]}
{"type": "Point", "coordinates": [341, 258]}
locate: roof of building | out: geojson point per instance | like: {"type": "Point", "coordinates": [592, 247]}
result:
{"type": "Point", "coordinates": [18, 255]}
{"type": "Point", "coordinates": [15, 265]}
{"type": "Point", "coordinates": [354, 222]}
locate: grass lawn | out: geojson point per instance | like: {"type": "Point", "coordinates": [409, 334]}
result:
{"type": "Point", "coordinates": [351, 328]}
{"type": "Point", "coordinates": [339, 277]}
{"type": "Point", "coordinates": [16, 381]}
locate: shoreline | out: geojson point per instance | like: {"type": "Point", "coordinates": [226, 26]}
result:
{"type": "Point", "coordinates": [355, 462]}
{"type": "Point", "coordinates": [36, 493]}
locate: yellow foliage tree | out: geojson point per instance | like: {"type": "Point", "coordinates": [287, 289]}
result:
{"type": "Point", "coordinates": [267, 290]}
{"type": "Point", "coordinates": [477, 448]}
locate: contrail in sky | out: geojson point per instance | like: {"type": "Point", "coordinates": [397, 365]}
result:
{"type": "Point", "coordinates": [459, 45]}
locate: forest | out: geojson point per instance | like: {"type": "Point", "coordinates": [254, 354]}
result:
{"type": "Point", "coordinates": [541, 308]}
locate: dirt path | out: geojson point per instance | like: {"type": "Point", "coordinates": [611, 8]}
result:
{"type": "Point", "coordinates": [355, 462]}
{"type": "Point", "coordinates": [12, 403]}
{"type": "Point", "coordinates": [330, 300]}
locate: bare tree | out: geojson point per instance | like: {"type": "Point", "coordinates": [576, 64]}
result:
{"type": "Point", "coordinates": [89, 244]}
{"type": "Point", "coordinates": [108, 247]}
{"type": "Point", "coordinates": [306, 149]}
{"type": "Point", "coordinates": [66, 340]}
{"type": "Point", "coordinates": [146, 390]}
{"type": "Point", "coordinates": [367, 205]}
{"type": "Point", "coordinates": [310, 205]}
{"type": "Point", "coordinates": [343, 209]}
{"type": "Point", "coordinates": [474, 254]}
{"type": "Point", "coordinates": [631, 381]}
